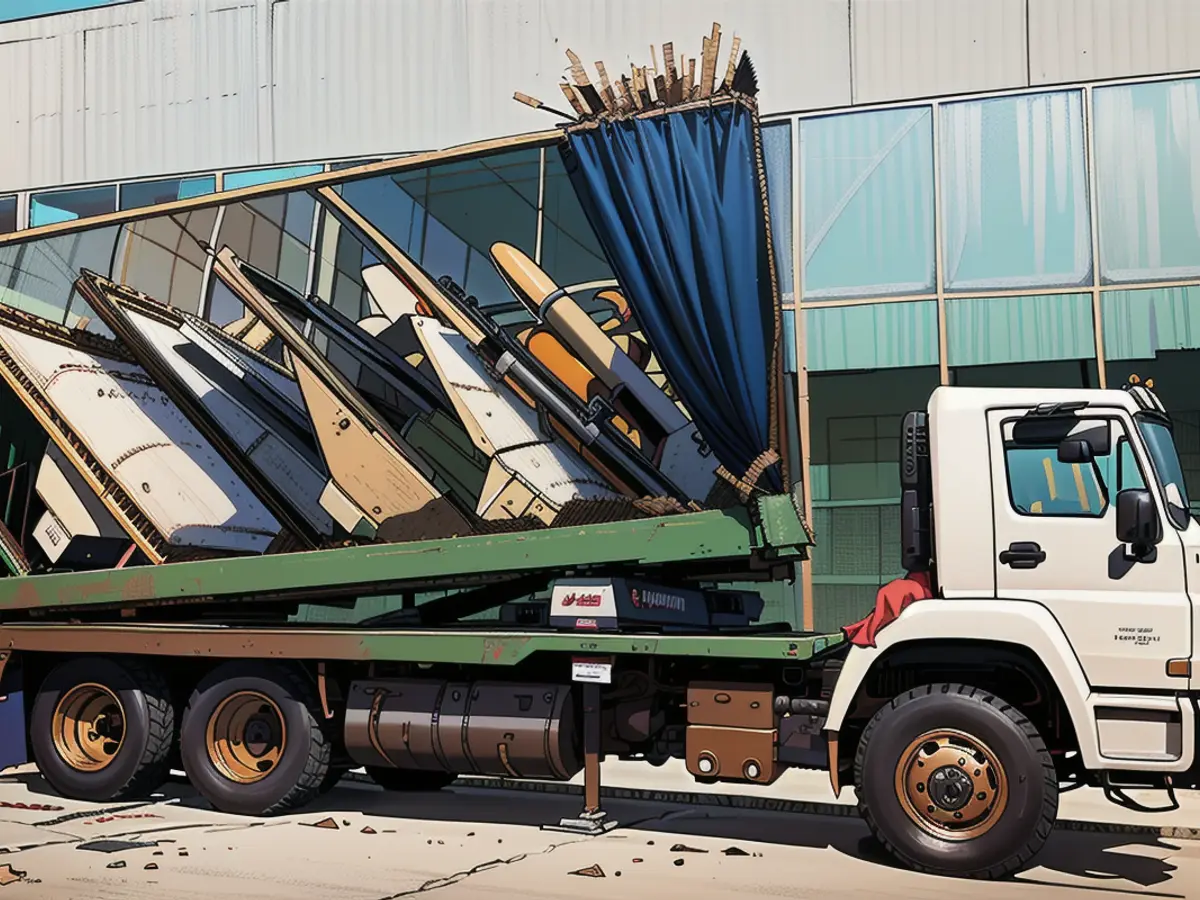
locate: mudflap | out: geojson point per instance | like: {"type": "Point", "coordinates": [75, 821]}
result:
{"type": "Point", "coordinates": [14, 745]}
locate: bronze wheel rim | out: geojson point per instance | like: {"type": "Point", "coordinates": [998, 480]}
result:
{"type": "Point", "coordinates": [951, 785]}
{"type": "Point", "coordinates": [246, 737]}
{"type": "Point", "coordinates": [89, 727]}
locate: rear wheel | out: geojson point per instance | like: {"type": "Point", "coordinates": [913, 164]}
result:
{"type": "Point", "coordinates": [410, 779]}
{"type": "Point", "coordinates": [250, 740]}
{"type": "Point", "coordinates": [954, 781]}
{"type": "Point", "coordinates": [102, 729]}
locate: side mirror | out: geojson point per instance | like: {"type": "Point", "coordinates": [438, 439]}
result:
{"type": "Point", "coordinates": [1138, 523]}
{"type": "Point", "coordinates": [1073, 451]}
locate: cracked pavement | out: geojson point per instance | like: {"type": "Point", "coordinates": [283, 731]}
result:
{"type": "Point", "coordinates": [360, 843]}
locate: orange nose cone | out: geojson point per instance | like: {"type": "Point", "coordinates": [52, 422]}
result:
{"type": "Point", "coordinates": [524, 276]}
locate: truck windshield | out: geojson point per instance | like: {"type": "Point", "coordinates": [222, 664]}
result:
{"type": "Point", "coordinates": [1161, 444]}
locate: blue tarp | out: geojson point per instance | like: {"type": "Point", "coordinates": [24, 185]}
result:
{"type": "Point", "coordinates": [677, 205]}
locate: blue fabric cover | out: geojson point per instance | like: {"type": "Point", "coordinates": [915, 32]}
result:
{"type": "Point", "coordinates": [676, 204]}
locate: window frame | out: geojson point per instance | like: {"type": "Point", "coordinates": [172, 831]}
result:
{"type": "Point", "coordinates": [1105, 491]}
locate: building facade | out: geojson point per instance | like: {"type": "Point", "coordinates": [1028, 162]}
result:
{"type": "Point", "coordinates": [974, 192]}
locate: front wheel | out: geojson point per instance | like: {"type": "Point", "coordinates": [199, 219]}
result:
{"type": "Point", "coordinates": [954, 781]}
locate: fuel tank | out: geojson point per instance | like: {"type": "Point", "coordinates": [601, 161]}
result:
{"type": "Point", "coordinates": [480, 728]}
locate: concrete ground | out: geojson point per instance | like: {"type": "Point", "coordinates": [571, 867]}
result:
{"type": "Point", "coordinates": [470, 842]}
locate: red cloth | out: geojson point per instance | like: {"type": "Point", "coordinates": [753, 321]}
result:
{"type": "Point", "coordinates": [891, 600]}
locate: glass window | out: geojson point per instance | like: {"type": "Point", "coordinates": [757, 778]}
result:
{"type": "Point", "coordinates": [12, 10]}
{"type": "Point", "coordinates": [1041, 341]}
{"type": "Point", "coordinates": [1147, 142]}
{"type": "Point", "coordinates": [66, 206]}
{"type": "Point", "coordinates": [1167, 466]}
{"type": "Point", "coordinates": [871, 336]}
{"type": "Point", "coordinates": [1014, 193]}
{"type": "Point", "coordinates": [349, 164]}
{"type": "Point", "coordinates": [446, 217]}
{"type": "Point", "coordinates": [1155, 335]}
{"type": "Point", "coordinates": [272, 233]}
{"type": "Point", "coordinates": [777, 160]}
{"type": "Point", "coordinates": [235, 180]}
{"type": "Point", "coordinates": [868, 203]}
{"type": "Point", "coordinates": [37, 276]}
{"type": "Point", "coordinates": [8, 214]}
{"type": "Point", "coordinates": [164, 256]}
{"type": "Point", "coordinates": [854, 483]}
{"type": "Point", "coordinates": [1040, 485]}
{"type": "Point", "coordinates": [152, 193]}
{"type": "Point", "coordinates": [571, 254]}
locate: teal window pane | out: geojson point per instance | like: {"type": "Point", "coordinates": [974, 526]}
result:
{"type": "Point", "coordinates": [1015, 207]}
{"type": "Point", "coordinates": [997, 330]}
{"type": "Point", "coordinates": [66, 206]}
{"type": "Point", "coordinates": [235, 180]}
{"type": "Point", "coordinates": [777, 160]}
{"type": "Point", "coordinates": [871, 336]}
{"type": "Point", "coordinates": [1147, 143]}
{"type": "Point", "coordinates": [1143, 324]}
{"type": "Point", "coordinates": [11, 10]}
{"type": "Point", "coordinates": [152, 193]}
{"type": "Point", "coordinates": [8, 214]}
{"type": "Point", "coordinates": [789, 340]}
{"type": "Point", "coordinates": [867, 191]}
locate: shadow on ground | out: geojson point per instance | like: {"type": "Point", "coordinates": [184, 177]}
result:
{"type": "Point", "coordinates": [1100, 862]}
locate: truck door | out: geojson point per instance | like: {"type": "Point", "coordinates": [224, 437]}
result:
{"type": "Point", "coordinates": [1056, 544]}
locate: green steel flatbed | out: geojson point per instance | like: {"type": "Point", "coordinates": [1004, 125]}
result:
{"type": "Point", "coordinates": [755, 543]}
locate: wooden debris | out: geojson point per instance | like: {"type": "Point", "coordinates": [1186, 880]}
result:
{"type": "Point", "coordinates": [652, 87]}
{"type": "Point", "coordinates": [9, 875]}
{"type": "Point", "coordinates": [573, 97]}
{"type": "Point", "coordinates": [592, 871]}
{"type": "Point", "coordinates": [327, 822]}
{"type": "Point", "coordinates": [732, 67]}
{"type": "Point", "coordinates": [606, 91]}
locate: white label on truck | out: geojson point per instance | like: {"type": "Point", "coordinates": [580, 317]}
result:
{"type": "Point", "coordinates": [592, 671]}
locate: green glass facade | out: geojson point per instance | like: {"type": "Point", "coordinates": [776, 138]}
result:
{"type": "Point", "coordinates": [1046, 238]}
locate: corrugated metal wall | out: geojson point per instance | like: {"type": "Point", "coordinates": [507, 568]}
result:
{"type": "Point", "coordinates": [164, 86]}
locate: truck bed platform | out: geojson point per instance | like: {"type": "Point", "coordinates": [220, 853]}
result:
{"type": "Point", "coordinates": [733, 544]}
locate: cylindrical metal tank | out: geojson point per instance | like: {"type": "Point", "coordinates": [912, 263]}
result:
{"type": "Point", "coordinates": [483, 728]}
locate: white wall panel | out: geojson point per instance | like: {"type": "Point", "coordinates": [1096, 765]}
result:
{"type": "Point", "coordinates": [921, 48]}
{"type": "Point", "coordinates": [1081, 40]}
{"type": "Point", "coordinates": [166, 86]}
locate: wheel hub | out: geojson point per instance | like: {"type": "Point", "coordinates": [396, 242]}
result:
{"type": "Point", "coordinates": [88, 727]}
{"type": "Point", "coordinates": [950, 788]}
{"type": "Point", "coordinates": [951, 785]}
{"type": "Point", "coordinates": [246, 736]}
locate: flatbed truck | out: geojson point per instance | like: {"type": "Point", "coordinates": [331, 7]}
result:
{"type": "Point", "coordinates": [1043, 640]}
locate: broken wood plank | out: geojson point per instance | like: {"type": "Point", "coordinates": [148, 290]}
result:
{"type": "Point", "coordinates": [732, 67]}
{"type": "Point", "coordinates": [573, 97]}
{"type": "Point", "coordinates": [708, 68]}
{"type": "Point", "coordinates": [660, 88]}
{"type": "Point", "coordinates": [606, 90]}
{"type": "Point", "coordinates": [645, 89]}
{"type": "Point", "coordinates": [669, 63]}
{"type": "Point", "coordinates": [689, 83]}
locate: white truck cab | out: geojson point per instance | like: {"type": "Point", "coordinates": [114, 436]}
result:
{"type": "Point", "coordinates": [1056, 649]}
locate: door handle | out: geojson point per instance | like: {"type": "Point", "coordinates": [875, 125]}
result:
{"type": "Point", "coordinates": [1023, 555]}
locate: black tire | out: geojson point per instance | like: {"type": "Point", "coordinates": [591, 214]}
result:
{"type": "Point", "coordinates": [297, 774]}
{"type": "Point", "coordinates": [1018, 828]}
{"type": "Point", "coordinates": [139, 763]}
{"type": "Point", "coordinates": [409, 780]}
{"type": "Point", "coordinates": [333, 776]}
